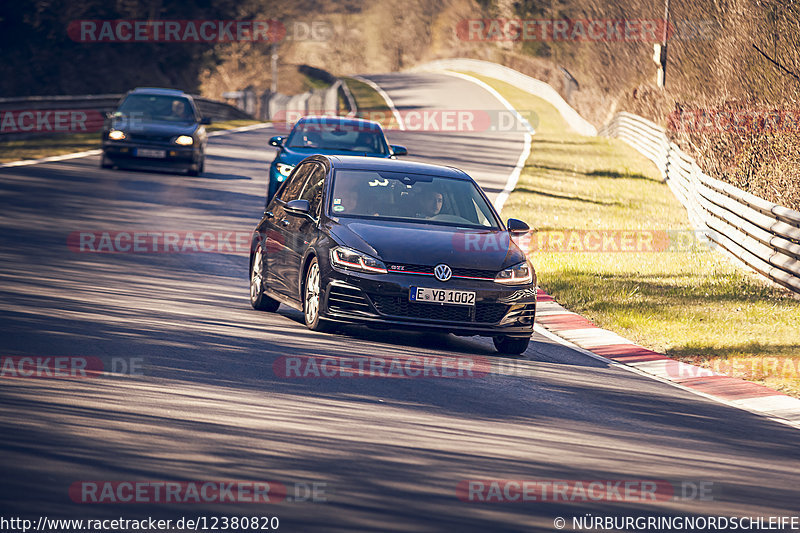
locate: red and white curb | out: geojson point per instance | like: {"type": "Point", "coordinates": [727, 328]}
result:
{"type": "Point", "coordinates": [575, 331]}
{"type": "Point", "coordinates": [578, 332]}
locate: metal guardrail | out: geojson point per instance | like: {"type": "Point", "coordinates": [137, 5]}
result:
{"type": "Point", "coordinates": [283, 108]}
{"type": "Point", "coordinates": [763, 235]}
{"type": "Point", "coordinates": [220, 111]}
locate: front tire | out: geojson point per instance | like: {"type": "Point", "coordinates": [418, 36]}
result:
{"type": "Point", "coordinates": [258, 299]}
{"type": "Point", "coordinates": [105, 162]}
{"type": "Point", "coordinates": [197, 168]}
{"type": "Point", "coordinates": [510, 345]}
{"type": "Point", "coordinates": [312, 299]}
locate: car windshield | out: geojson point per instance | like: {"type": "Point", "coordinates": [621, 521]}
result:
{"type": "Point", "coordinates": [157, 107]}
{"type": "Point", "coordinates": [410, 197]}
{"type": "Point", "coordinates": [340, 136]}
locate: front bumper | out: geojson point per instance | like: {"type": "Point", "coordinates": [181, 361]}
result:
{"type": "Point", "coordinates": [176, 156]}
{"type": "Point", "coordinates": [382, 300]}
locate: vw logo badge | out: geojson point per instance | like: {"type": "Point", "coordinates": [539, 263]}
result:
{"type": "Point", "coordinates": [442, 272]}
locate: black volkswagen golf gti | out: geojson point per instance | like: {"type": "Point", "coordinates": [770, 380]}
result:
{"type": "Point", "coordinates": [394, 244]}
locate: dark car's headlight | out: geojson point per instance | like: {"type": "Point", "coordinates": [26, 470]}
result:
{"type": "Point", "coordinates": [117, 135]}
{"type": "Point", "coordinates": [518, 274]}
{"type": "Point", "coordinates": [354, 260]}
{"type": "Point", "coordinates": [284, 170]}
{"type": "Point", "coordinates": [184, 140]}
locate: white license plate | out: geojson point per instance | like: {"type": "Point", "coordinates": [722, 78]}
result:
{"type": "Point", "coordinates": [155, 154]}
{"type": "Point", "coordinates": [441, 296]}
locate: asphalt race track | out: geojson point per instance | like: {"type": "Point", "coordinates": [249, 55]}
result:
{"type": "Point", "coordinates": [387, 454]}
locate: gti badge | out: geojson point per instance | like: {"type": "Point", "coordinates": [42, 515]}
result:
{"type": "Point", "coordinates": [442, 272]}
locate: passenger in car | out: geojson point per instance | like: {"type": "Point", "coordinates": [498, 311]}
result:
{"type": "Point", "coordinates": [347, 196]}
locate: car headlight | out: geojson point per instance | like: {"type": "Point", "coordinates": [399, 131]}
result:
{"type": "Point", "coordinates": [519, 274]}
{"type": "Point", "coordinates": [284, 170]}
{"type": "Point", "coordinates": [116, 135]}
{"type": "Point", "coordinates": [184, 140]}
{"type": "Point", "coordinates": [354, 260]}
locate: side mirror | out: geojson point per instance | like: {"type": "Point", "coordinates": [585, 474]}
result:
{"type": "Point", "coordinates": [276, 141]}
{"type": "Point", "coordinates": [517, 226]}
{"type": "Point", "coordinates": [298, 208]}
{"type": "Point", "coordinates": [398, 150]}
{"type": "Point", "coordinates": [205, 121]}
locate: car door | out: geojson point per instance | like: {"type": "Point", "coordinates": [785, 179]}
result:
{"type": "Point", "coordinates": [301, 230]}
{"type": "Point", "coordinates": [277, 230]}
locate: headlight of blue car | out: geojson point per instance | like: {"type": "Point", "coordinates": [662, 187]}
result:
{"type": "Point", "coordinates": [284, 170]}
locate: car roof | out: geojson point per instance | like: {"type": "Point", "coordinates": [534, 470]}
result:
{"type": "Point", "coordinates": [343, 121]}
{"type": "Point", "coordinates": [159, 91]}
{"type": "Point", "coordinates": [352, 162]}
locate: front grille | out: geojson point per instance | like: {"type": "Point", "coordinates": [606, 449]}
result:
{"type": "Point", "coordinates": [402, 307]}
{"type": "Point", "coordinates": [522, 313]}
{"type": "Point", "coordinates": [146, 138]}
{"type": "Point", "coordinates": [490, 313]}
{"type": "Point", "coordinates": [344, 298]}
{"type": "Point", "coordinates": [474, 273]}
{"type": "Point", "coordinates": [419, 269]}
{"type": "Point", "coordinates": [425, 269]}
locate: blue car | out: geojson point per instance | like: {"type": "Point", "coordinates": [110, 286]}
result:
{"type": "Point", "coordinates": [328, 136]}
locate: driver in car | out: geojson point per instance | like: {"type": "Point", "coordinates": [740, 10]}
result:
{"type": "Point", "coordinates": [430, 204]}
{"type": "Point", "coordinates": [179, 109]}
{"type": "Point", "coordinates": [347, 197]}
{"type": "Point", "coordinates": [351, 198]}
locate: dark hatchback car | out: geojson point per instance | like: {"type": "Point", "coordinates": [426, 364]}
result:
{"type": "Point", "coordinates": [156, 128]}
{"type": "Point", "coordinates": [392, 244]}
{"type": "Point", "coordinates": [328, 136]}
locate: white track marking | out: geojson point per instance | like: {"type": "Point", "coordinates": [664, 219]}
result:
{"type": "Point", "coordinates": [738, 404]}
{"type": "Point", "coordinates": [511, 183]}
{"type": "Point", "coordinates": [76, 155]}
{"type": "Point", "coordinates": [386, 98]}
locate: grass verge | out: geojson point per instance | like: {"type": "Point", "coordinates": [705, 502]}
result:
{"type": "Point", "coordinates": [45, 146]}
{"type": "Point", "coordinates": [692, 304]}
{"type": "Point", "coordinates": [231, 124]}
{"type": "Point", "coordinates": [50, 145]}
{"type": "Point", "coordinates": [371, 104]}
